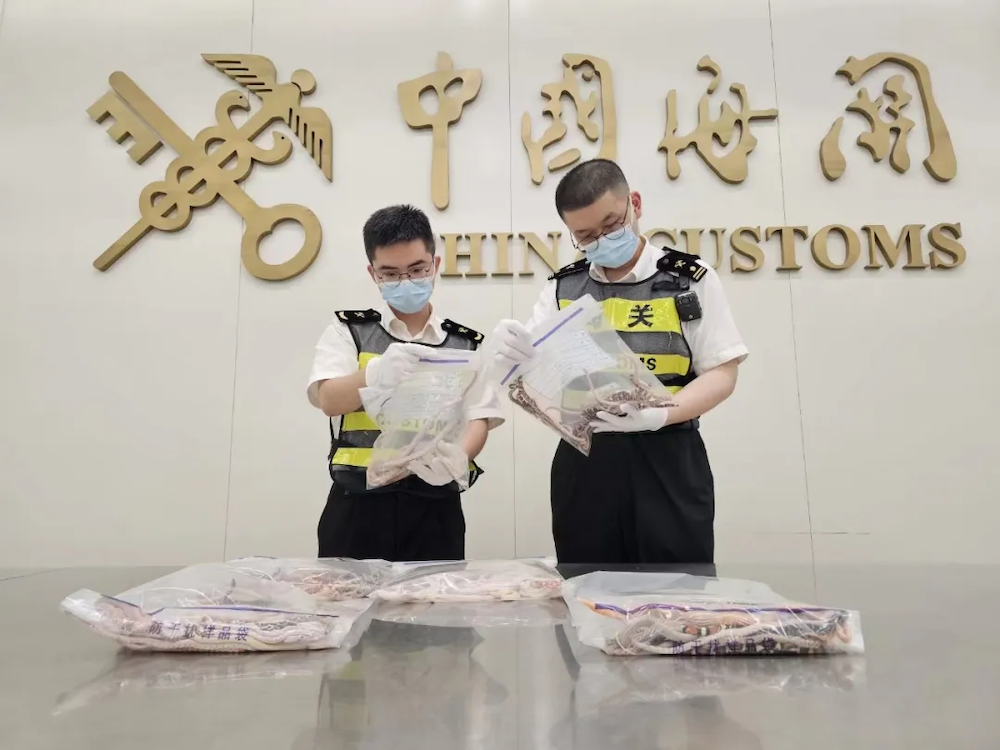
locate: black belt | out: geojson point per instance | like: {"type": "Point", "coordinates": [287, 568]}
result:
{"type": "Point", "coordinates": [691, 424]}
{"type": "Point", "coordinates": [355, 482]}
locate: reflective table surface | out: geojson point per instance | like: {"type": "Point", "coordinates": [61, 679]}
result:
{"type": "Point", "coordinates": [515, 677]}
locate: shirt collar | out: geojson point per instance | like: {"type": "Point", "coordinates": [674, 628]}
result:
{"type": "Point", "coordinates": [431, 334]}
{"type": "Point", "coordinates": [643, 269]}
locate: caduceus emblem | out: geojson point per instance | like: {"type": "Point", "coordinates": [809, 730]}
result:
{"type": "Point", "coordinates": [212, 164]}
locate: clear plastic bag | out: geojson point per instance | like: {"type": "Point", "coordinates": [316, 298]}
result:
{"type": "Point", "coordinates": [472, 581]}
{"type": "Point", "coordinates": [423, 421]}
{"type": "Point", "coordinates": [331, 579]}
{"type": "Point", "coordinates": [629, 614]}
{"type": "Point", "coordinates": [583, 368]}
{"type": "Point", "coordinates": [525, 613]}
{"type": "Point", "coordinates": [253, 604]}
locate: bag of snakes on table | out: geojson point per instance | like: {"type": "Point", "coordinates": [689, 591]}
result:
{"type": "Point", "coordinates": [251, 604]}
{"type": "Point", "coordinates": [673, 614]}
{"type": "Point", "coordinates": [473, 581]}
{"type": "Point", "coordinates": [422, 422]}
{"type": "Point", "coordinates": [583, 368]}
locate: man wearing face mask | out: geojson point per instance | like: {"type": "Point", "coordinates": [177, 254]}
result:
{"type": "Point", "coordinates": [410, 519]}
{"type": "Point", "coordinates": [645, 494]}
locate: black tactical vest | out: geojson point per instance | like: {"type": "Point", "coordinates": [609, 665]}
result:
{"type": "Point", "coordinates": [643, 312]}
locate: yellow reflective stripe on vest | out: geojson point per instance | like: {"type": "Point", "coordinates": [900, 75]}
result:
{"type": "Point", "coordinates": [365, 357]}
{"type": "Point", "coordinates": [358, 420]}
{"type": "Point", "coordinates": [666, 364]}
{"type": "Point", "coordinates": [639, 316]}
{"type": "Point", "coordinates": [360, 457]}
{"type": "Point", "coordinates": [658, 364]}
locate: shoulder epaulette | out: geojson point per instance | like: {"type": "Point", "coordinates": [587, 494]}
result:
{"type": "Point", "coordinates": [682, 264]}
{"type": "Point", "coordinates": [575, 267]}
{"type": "Point", "coordinates": [359, 316]}
{"type": "Point", "coordinates": [450, 326]}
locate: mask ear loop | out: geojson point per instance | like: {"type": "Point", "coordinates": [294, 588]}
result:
{"type": "Point", "coordinates": [631, 225]}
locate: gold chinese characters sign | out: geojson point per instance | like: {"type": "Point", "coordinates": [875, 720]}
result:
{"type": "Point", "coordinates": [449, 111]}
{"type": "Point", "coordinates": [731, 167]}
{"type": "Point", "coordinates": [886, 137]}
{"type": "Point", "coordinates": [940, 163]}
{"type": "Point", "coordinates": [214, 163]}
{"type": "Point", "coordinates": [589, 67]}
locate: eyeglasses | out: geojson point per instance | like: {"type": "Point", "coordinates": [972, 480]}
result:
{"type": "Point", "coordinates": [615, 232]}
{"type": "Point", "coordinates": [395, 278]}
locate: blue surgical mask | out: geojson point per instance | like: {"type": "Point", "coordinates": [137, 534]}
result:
{"type": "Point", "coordinates": [408, 296]}
{"type": "Point", "coordinates": [614, 253]}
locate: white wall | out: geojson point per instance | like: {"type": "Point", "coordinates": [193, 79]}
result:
{"type": "Point", "coordinates": [156, 413]}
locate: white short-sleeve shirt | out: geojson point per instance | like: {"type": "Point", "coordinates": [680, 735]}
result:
{"type": "Point", "coordinates": [337, 356]}
{"type": "Point", "coordinates": [713, 338]}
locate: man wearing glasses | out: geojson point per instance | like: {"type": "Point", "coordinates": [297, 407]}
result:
{"type": "Point", "coordinates": [645, 494]}
{"type": "Point", "coordinates": [410, 519]}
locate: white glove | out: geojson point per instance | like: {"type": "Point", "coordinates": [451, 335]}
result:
{"type": "Point", "coordinates": [512, 346]}
{"type": "Point", "coordinates": [633, 420]}
{"type": "Point", "coordinates": [448, 464]}
{"type": "Point", "coordinates": [384, 374]}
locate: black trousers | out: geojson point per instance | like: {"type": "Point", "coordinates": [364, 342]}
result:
{"type": "Point", "coordinates": [395, 525]}
{"type": "Point", "coordinates": [638, 498]}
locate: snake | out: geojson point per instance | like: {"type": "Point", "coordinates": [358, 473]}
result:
{"type": "Point", "coordinates": [209, 631]}
{"type": "Point", "coordinates": [671, 629]}
{"type": "Point", "coordinates": [251, 611]}
{"type": "Point", "coordinates": [481, 581]}
{"type": "Point", "coordinates": [387, 468]}
{"type": "Point", "coordinates": [575, 425]}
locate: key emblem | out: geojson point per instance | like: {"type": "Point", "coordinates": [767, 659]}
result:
{"type": "Point", "coordinates": [213, 163]}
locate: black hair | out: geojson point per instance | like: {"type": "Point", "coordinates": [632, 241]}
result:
{"type": "Point", "coordinates": [587, 182]}
{"type": "Point", "coordinates": [395, 224]}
